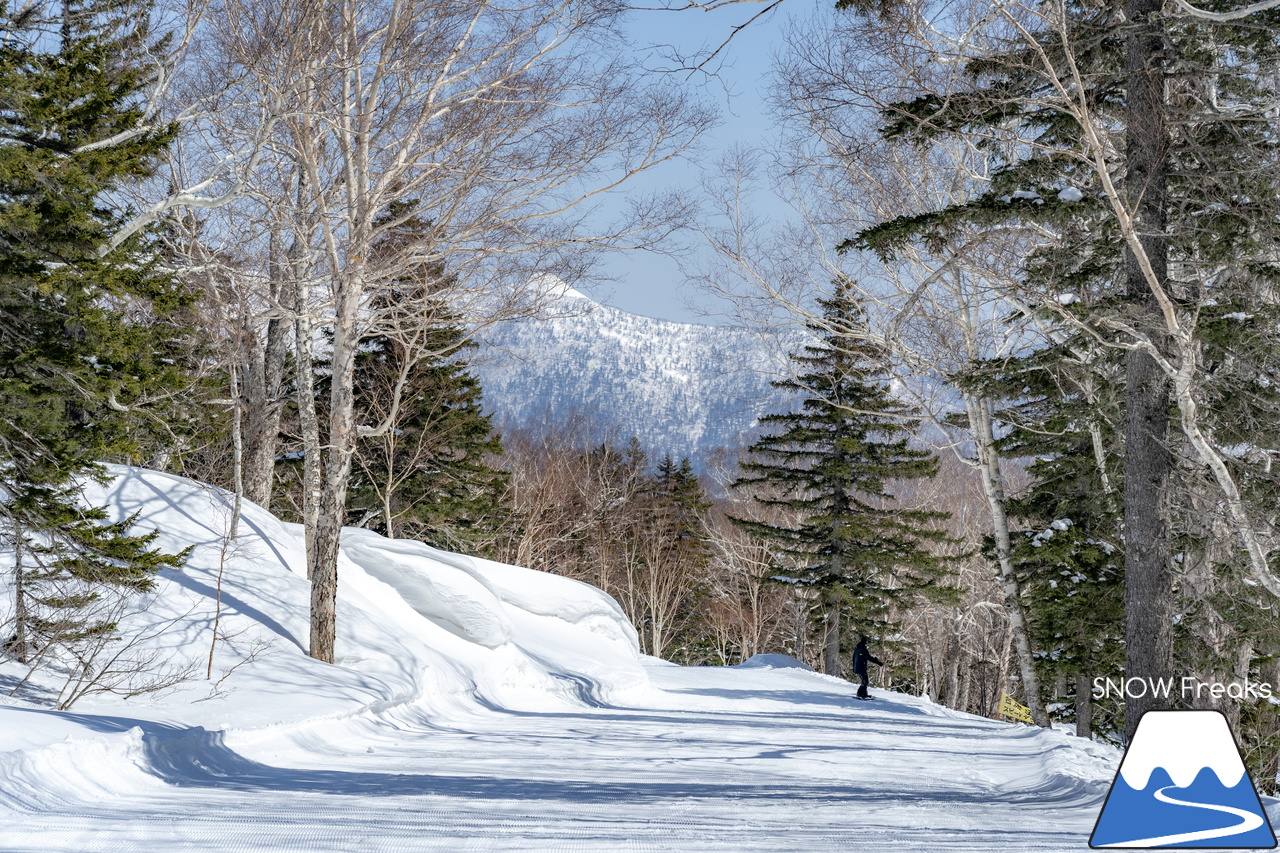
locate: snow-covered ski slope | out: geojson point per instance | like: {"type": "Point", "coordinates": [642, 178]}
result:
{"type": "Point", "coordinates": [485, 707]}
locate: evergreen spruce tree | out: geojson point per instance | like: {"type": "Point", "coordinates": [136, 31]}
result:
{"type": "Point", "coordinates": [1199, 175]}
{"type": "Point", "coordinates": [828, 465]}
{"type": "Point", "coordinates": [427, 476]}
{"type": "Point", "coordinates": [675, 558]}
{"type": "Point", "coordinates": [679, 506]}
{"type": "Point", "coordinates": [86, 334]}
{"type": "Point", "coordinates": [1061, 413]}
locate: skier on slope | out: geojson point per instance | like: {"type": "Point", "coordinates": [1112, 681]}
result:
{"type": "Point", "coordinates": [860, 658]}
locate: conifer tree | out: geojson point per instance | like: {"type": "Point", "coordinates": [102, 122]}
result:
{"type": "Point", "coordinates": [423, 472]}
{"type": "Point", "coordinates": [829, 464]}
{"type": "Point", "coordinates": [672, 558]}
{"type": "Point", "coordinates": [679, 506]}
{"type": "Point", "coordinates": [87, 335]}
{"type": "Point", "coordinates": [428, 478]}
{"type": "Point", "coordinates": [1062, 414]}
{"type": "Point", "coordinates": [1192, 157]}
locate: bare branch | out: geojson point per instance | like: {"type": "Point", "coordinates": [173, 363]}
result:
{"type": "Point", "coordinates": [1223, 17]}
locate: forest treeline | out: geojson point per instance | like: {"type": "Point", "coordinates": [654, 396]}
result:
{"type": "Point", "coordinates": [1034, 429]}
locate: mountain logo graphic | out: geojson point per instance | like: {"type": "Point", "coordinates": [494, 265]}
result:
{"type": "Point", "coordinates": [1182, 784]}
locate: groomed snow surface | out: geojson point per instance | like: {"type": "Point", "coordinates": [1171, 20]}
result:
{"type": "Point", "coordinates": [477, 706]}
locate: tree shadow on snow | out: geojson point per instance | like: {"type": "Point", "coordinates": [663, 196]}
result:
{"type": "Point", "coordinates": [800, 697]}
{"type": "Point", "coordinates": [12, 685]}
{"type": "Point", "coordinates": [200, 759]}
{"type": "Point", "coordinates": [103, 723]}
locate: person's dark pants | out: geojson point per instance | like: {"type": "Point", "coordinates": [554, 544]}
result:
{"type": "Point", "coordinates": [862, 688]}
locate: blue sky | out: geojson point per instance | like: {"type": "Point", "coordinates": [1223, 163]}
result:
{"type": "Point", "coordinates": [651, 284]}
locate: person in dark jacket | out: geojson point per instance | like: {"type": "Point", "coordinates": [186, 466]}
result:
{"type": "Point", "coordinates": [860, 658]}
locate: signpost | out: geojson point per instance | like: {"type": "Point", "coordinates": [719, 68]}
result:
{"type": "Point", "coordinates": [1013, 710]}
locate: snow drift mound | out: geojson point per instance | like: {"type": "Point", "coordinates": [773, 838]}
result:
{"type": "Point", "coordinates": [774, 662]}
{"type": "Point", "coordinates": [415, 625]}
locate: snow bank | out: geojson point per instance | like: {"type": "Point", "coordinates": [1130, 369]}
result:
{"type": "Point", "coordinates": [456, 600]}
{"type": "Point", "coordinates": [419, 628]}
{"type": "Point", "coordinates": [775, 662]}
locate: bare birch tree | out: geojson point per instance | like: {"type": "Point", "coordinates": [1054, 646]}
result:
{"type": "Point", "coordinates": [496, 124]}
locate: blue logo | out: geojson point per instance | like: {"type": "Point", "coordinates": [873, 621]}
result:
{"type": "Point", "coordinates": [1182, 784]}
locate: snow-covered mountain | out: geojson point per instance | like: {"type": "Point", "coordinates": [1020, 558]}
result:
{"type": "Point", "coordinates": [681, 388]}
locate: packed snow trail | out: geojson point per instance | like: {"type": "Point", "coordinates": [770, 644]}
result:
{"type": "Point", "coordinates": [723, 759]}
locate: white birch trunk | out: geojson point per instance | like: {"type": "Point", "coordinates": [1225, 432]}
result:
{"type": "Point", "coordinates": [993, 486]}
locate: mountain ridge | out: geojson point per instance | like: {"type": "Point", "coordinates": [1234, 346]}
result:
{"type": "Point", "coordinates": [683, 389]}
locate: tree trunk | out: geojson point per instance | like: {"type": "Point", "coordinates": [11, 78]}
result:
{"type": "Point", "coordinates": [322, 566]}
{"type": "Point", "coordinates": [831, 640]}
{"type": "Point", "coordinates": [656, 641]}
{"type": "Point", "coordinates": [309, 422]}
{"type": "Point", "coordinates": [802, 612]}
{"type": "Point", "coordinates": [323, 561]}
{"type": "Point", "coordinates": [388, 517]}
{"type": "Point", "coordinates": [993, 485]}
{"type": "Point", "coordinates": [233, 529]}
{"type": "Point", "coordinates": [952, 678]}
{"type": "Point", "coordinates": [1149, 600]}
{"type": "Point", "coordinates": [1002, 673]}
{"type": "Point", "coordinates": [1084, 707]}
{"type": "Point", "coordinates": [1244, 657]}
{"type": "Point", "coordinates": [1269, 728]}
{"type": "Point", "coordinates": [265, 350]}
{"type": "Point", "coordinates": [262, 394]}
{"type": "Point", "coordinates": [18, 646]}
{"type": "Point", "coordinates": [304, 373]}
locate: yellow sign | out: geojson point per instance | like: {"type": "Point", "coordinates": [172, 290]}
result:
{"type": "Point", "coordinates": [1014, 711]}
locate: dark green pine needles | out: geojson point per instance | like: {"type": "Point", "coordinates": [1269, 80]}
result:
{"type": "Point", "coordinates": [426, 475]}
{"type": "Point", "coordinates": [86, 339]}
{"type": "Point", "coordinates": [822, 476]}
